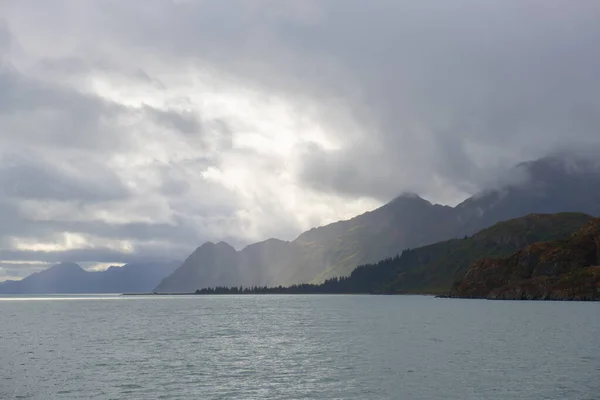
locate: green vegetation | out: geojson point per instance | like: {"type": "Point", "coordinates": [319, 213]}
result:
{"type": "Point", "coordinates": [435, 268]}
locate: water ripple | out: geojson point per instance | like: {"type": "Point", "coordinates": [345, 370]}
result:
{"type": "Point", "coordinates": [297, 347]}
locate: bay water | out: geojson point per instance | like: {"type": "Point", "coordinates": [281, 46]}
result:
{"type": "Point", "coordinates": [297, 347]}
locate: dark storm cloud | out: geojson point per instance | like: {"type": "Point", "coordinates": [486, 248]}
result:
{"type": "Point", "coordinates": [457, 91]}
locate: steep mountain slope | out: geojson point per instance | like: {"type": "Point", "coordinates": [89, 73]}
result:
{"type": "Point", "coordinates": [549, 185]}
{"type": "Point", "coordinates": [563, 270]}
{"type": "Point", "coordinates": [71, 278]}
{"type": "Point", "coordinates": [407, 221]}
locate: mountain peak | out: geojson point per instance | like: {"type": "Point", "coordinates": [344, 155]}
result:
{"type": "Point", "coordinates": [210, 244]}
{"type": "Point", "coordinates": [224, 245]}
{"type": "Point", "coordinates": [66, 267]}
{"type": "Point", "coordinates": [409, 196]}
{"type": "Point", "coordinates": [209, 247]}
{"type": "Point", "coordinates": [410, 200]}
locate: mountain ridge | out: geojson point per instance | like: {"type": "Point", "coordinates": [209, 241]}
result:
{"type": "Point", "coordinates": [70, 277]}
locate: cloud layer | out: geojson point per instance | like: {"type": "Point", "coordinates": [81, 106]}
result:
{"type": "Point", "coordinates": [133, 130]}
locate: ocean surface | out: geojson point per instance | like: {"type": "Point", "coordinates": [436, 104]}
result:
{"type": "Point", "coordinates": [297, 347]}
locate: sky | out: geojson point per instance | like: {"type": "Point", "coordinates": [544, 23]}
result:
{"type": "Point", "coordinates": [132, 130]}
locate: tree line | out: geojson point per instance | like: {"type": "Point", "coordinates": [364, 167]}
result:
{"type": "Point", "coordinates": [365, 279]}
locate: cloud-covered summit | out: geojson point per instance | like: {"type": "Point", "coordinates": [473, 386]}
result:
{"type": "Point", "coordinates": [130, 129]}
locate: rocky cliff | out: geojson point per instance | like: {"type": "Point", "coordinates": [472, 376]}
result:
{"type": "Point", "coordinates": [557, 270]}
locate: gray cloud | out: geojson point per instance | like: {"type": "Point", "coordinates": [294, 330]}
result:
{"type": "Point", "coordinates": [23, 178]}
{"type": "Point", "coordinates": [169, 123]}
{"type": "Point", "coordinates": [458, 91]}
{"type": "Point", "coordinates": [5, 39]}
{"type": "Point", "coordinates": [186, 123]}
{"type": "Point", "coordinates": [53, 115]}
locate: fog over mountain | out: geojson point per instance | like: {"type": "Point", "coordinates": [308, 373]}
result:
{"type": "Point", "coordinates": [133, 130]}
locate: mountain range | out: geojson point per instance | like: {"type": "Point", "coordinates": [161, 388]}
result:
{"type": "Point", "coordinates": [69, 277]}
{"type": "Point", "coordinates": [436, 268]}
{"type": "Point", "coordinates": [548, 185]}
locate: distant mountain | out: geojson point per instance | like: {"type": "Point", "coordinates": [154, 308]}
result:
{"type": "Point", "coordinates": [549, 185]}
{"type": "Point", "coordinates": [556, 270]}
{"type": "Point", "coordinates": [264, 263]}
{"type": "Point", "coordinates": [71, 278]}
{"type": "Point", "coordinates": [221, 267]}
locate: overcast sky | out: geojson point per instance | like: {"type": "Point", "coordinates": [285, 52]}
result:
{"type": "Point", "coordinates": [136, 129]}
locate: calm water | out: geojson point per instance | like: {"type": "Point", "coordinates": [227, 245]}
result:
{"type": "Point", "coordinates": [297, 347]}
